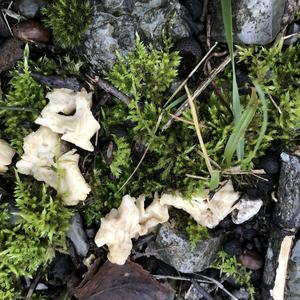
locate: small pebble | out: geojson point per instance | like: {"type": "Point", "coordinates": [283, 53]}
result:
{"type": "Point", "coordinates": [190, 50]}
{"type": "Point", "coordinates": [270, 164]}
{"type": "Point", "coordinates": [4, 31]}
{"type": "Point", "coordinates": [249, 234]}
{"type": "Point", "coordinates": [251, 260]}
{"type": "Point", "coordinates": [29, 8]}
{"type": "Point", "coordinates": [31, 31]}
{"type": "Point", "coordinates": [233, 247]}
{"type": "Point", "coordinates": [11, 52]}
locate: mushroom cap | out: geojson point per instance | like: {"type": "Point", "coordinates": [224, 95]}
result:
{"type": "Point", "coordinates": [117, 229]}
{"type": "Point", "coordinates": [78, 128]}
{"type": "Point", "coordinates": [72, 185]}
{"type": "Point", "coordinates": [6, 155]}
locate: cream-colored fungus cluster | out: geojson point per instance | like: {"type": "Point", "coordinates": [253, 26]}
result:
{"type": "Point", "coordinates": [132, 219]}
{"type": "Point", "coordinates": [47, 157]}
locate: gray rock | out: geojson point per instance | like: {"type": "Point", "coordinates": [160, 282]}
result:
{"type": "Point", "coordinates": [254, 21]}
{"type": "Point", "coordinates": [78, 237]}
{"type": "Point", "coordinates": [173, 248]}
{"type": "Point", "coordinates": [29, 8]}
{"type": "Point", "coordinates": [293, 281]}
{"type": "Point", "coordinates": [115, 23]}
{"type": "Point", "coordinates": [4, 31]}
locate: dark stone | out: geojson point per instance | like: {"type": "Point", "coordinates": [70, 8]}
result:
{"type": "Point", "coordinates": [233, 247]}
{"type": "Point", "coordinates": [78, 237]}
{"type": "Point", "coordinates": [31, 31]}
{"type": "Point", "coordinates": [270, 164]}
{"type": "Point", "coordinates": [11, 52]}
{"type": "Point", "coordinates": [249, 234]}
{"type": "Point", "coordinates": [194, 7]}
{"type": "Point", "coordinates": [190, 50]}
{"type": "Point", "coordinates": [251, 260]}
{"type": "Point", "coordinates": [4, 31]}
{"type": "Point", "coordinates": [29, 8]}
{"type": "Point", "coordinates": [60, 270]}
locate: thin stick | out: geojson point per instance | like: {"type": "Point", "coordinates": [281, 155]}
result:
{"type": "Point", "coordinates": [181, 119]}
{"type": "Point", "coordinates": [192, 72]}
{"type": "Point", "coordinates": [106, 86]}
{"type": "Point", "coordinates": [275, 104]}
{"type": "Point", "coordinates": [198, 131]}
{"type": "Point", "coordinates": [34, 284]}
{"type": "Point", "coordinates": [179, 278]}
{"type": "Point", "coordinates": [196, 176]}
{"type": "Point", "coordinates": [291, 35]}
{"type": "Point", "coordinates": [220, 285]}
{"type": "Point", "coordinates": [146, 151]}
{"type": "Point", "coordinates": [200, 89]}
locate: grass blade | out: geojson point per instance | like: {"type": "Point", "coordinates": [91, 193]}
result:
{"type": "Point", "coordinates": [240, 128]}
{"type": "Point", "coordinates": [236, 106]}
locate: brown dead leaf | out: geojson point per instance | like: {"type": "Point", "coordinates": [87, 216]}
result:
{"type": "Point", "coordinates": [126, 282]}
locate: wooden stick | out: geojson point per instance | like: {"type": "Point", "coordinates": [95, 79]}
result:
{"type": "Point", "coordinates": [106, 86]}
{"type": "Point", "coordinates": [199, 90]}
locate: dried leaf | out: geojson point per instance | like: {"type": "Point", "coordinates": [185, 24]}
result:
{"type": "Point", "coordinates": [126, 282]}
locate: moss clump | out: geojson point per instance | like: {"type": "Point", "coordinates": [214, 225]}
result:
{"type": "Point", "coordinates": [22, 103]}
{"type": "Point", "coordinates": [40, 229]}
{"type": "Point", "coordinates": [68, 20]}
{"type": "Point", "coordinates": [145, 73]}
{"type": "Point", "coordinates": [196, 233]}
{"type": "Point", "coordinates": [229, 266]}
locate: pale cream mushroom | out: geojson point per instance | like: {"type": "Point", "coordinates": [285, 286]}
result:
{"type": "Point", "coordinates": [71, 184]}
{"type": "Point", "coordinates": [6, 155]}
{"type": "Point", "coordinates": [205, 212]}
{"type": "Point", "coordinates": [117, 229]}
{"type": "Point", "coordinates": [43, 159]}
{"type": "Point", "coordinates": [129, 221]}
{"type": "Point", "coordinates": [154, 214]}
{"type": "Point", "coordinates": [78, 128]}
{"type": "Point", "coordinates": [40, 149]}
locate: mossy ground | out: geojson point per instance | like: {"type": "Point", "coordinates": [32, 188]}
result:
{"type": "Point", "coordinates": [173, 160]}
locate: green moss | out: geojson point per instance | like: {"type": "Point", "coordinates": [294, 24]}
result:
{"type": "Point", "coordinates": [31, 243]}
{"type": "Point", "coordinates": [22, 103]}
{"type": "Point", "coordinates": [229, 266]}
{"type": "Point", "coordinates": [68, 20]}
{"type": "Point", "coordinates": [196, 233]}
{"type": "Point", "coordinates": [146, 72]}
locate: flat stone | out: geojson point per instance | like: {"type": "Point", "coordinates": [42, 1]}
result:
{"type": "Point", "coordinates": [29, 8]}
{"type": "Point", "coordinates": [293, 278]}
{"type": "Point", "coordinates": [173, 248]}
{"type": "Point", "coordinates": [78, 236]}
{"type": "Point", "coordinates": [254, 21]}
{"type": "Point", "coordinates": [115, 23]}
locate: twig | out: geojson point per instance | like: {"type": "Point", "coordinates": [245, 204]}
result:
{"type": "Point", "coordinates": [105, 85]}
{"type": "Point", "coordinates": [291, 35]}
{"type": "Point", "coordinates": [181, 119]}
{"type": "Point", "coordinates": [144, 154]}
{"type": "Point", "coordinates": [199, 90]}
{"type": "Point", "coordinates": [204, 10]}
{"type": "Point", "coordinates": [192, 73]}
{"type": "Point", "coordinates": [275, 104]}
{"type": "Point", "coordinates": [201, 290]}
{"type": "Point", "coordinates": [196, 176]}
{"type": "Point", "coordinates": [34, 284]}
{"type": "Point", "coordinates": [220, 285]}
{"type": "Point", "coordinates": [179, 278]}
